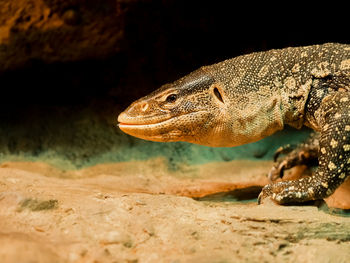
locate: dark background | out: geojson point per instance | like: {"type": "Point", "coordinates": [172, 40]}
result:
{"type": "Point", "coordinates": [164, 40]}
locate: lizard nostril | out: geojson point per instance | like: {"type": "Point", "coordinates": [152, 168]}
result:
{"type": "Point", "coordinates": [144, 106]}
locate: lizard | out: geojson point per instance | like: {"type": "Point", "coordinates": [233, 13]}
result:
{"type": "Point", "coordinates": [251, 96]}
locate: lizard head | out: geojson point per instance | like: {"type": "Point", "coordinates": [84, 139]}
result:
{"type": "Point", "coordinates": [191, 109]}
{"type": "Point", "coordinates": [225, 104]}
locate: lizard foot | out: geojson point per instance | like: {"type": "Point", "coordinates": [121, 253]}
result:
{"type": "Point", "coordinates": [282, 193]}
{"type": "Point", "coordinates": [304, 153]}
{"type": "Point", "coordinates": [285, 149]}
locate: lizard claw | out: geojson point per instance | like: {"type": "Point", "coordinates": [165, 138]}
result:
{"type": "Point", "coordinates": [266, 192]}
{"type": "Point", "coordinates": [277, 172]}
{"type": "Point", "coordinates": [259, 199]}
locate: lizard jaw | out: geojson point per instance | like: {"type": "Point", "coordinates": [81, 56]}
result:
{"type": "Point", "coordinates": [144, 131]}
{"type": "Point", "coordinates": [125, 119]}
{"type": "Point", "coordinates": [165, 130]}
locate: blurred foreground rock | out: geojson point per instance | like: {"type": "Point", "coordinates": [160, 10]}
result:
{"type": "Point", "coordinates": [132, 212]}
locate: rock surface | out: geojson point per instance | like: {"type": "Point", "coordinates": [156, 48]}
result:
{"type": "Point", "coordinates": [142, 212]}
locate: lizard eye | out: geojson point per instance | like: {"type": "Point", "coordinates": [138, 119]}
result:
{"type": "Point", "coordinates": [171, 98]}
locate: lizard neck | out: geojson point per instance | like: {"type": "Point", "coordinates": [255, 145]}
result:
{"type": "Point", "coordinates": [260, 121]}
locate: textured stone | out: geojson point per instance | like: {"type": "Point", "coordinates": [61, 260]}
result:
{"type": "Point", "coordinates": [134, 211]}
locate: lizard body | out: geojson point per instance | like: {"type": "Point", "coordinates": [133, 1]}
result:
{"type": "Point", "coordinates": [247, 98]}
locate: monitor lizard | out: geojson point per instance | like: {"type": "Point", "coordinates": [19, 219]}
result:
{"type": "Point", "coordinates": [249, 97]}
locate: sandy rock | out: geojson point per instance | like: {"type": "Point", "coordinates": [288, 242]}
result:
{"type": "Point", "coordinates": [106, 214]}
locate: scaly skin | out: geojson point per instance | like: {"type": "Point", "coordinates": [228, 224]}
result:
{"type": "Point", "coordinates": [247, 98]}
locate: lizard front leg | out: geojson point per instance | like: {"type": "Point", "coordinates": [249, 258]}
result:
{"type": "Point", "coordinates": [334, 157]}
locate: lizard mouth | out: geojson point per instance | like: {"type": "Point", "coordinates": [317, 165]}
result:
{"type": "Point", "coordinates": [125, 120]}
{"type": "Point", "coordinates": [161, 130]}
